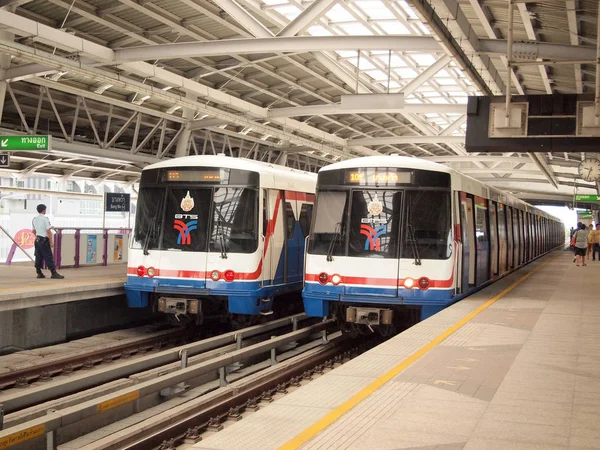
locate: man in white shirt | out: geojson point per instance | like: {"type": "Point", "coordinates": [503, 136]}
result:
{"type": "Point", "coordinates": [44, 243]}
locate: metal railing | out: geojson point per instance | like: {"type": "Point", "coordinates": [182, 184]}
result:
{"type": "Point", "coordinates": [60, 237]}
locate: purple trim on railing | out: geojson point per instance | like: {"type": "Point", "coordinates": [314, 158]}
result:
{"type": "Point", "coordinates": [11, 254]}
{"type": "Point", "coordinates": [105, 255]}
{"type": "Point", "coordinates": [77, 249]}
{"type": "Point", "coordinates": [58, 248]}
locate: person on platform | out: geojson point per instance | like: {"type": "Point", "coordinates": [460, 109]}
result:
{"type": "Point", "coordinates": [596, 240]}
{"type": "Point", "coordinates": [44, 243]}
{"type": "Point", "coordinates": [590, 247]}
{"type": "Point", "coordinates": [580, 237]}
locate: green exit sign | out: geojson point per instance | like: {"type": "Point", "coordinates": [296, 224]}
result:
{"type": "Point", "coordinates": [587, 198]}
{"type": "Point", "coordinates": [15, 143]}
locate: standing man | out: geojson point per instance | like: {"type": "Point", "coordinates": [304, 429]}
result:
{"type": "Point", "coordinates": [44, 243]}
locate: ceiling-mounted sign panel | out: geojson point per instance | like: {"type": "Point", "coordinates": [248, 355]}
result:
{"type": "Point", "coordinates": [541, 123]}
{"type": "Point", "coordinates": [20, 143]}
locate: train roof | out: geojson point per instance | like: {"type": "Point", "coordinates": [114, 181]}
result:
{"type": "Point", "coordinates": [461, 181]}
{"type": "Point", "coordinates": [235, 163]}
{"type": "Point", "coordinates": [388, 161]}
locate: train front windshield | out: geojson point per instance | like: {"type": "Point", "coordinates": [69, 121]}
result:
{"type": "Point", "coordinates": [382, 213]}
{"type": "Point", "coordinates": [197, 210]}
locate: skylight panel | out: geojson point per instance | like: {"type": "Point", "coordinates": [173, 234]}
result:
{"type": "Point", "coordinates": [356, 29]}
{"type": "Point", "coordinates": [396, 60]}
{"type": "Point", "coordinates": [318, 30]}
{"type": "Point", "coordinates": [374, 9]}
{"type": "Point", "coordinates": [442, 74]}
{"type": "Point", "coordinates": [406, 72]}
{"type": "Point", "coordinates": [393, 27]}
{"type": "Point", "coordinates": [274, 2]}
{"type": "Point", "coordinates": [423, 59]}
{"type": "Point", "coordinates": [289, 11]}
{"type": "Point", "coordinates": [377, 75]}
{"type": "Point", "coordinates": [407, 9]}
{"type": "Point", "coordinates": [445, 81]}
{"type": "Point", "coordinates": [339, 14]}
{"type": "Point", "coordinates": [422, 28]}
{"type": "Point", "coordinates": [431, 115]}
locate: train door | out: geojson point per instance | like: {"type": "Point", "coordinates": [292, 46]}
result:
{"type": "Point", "coordinates": [292, 267]}
{"type": "Point", "coordinates": [522, 241]}
{"type": "Point", "coordinates": [266, 238]}
{"type": "Point", "coordinates": [467, 227]}
{"type": "Point", "coordinates": [510, 260]}
{"type": "Point", "coordinates": [305, 219]}
{"type": "Point", "coordinates": [277, 236]}
{"type": "Point", "coordinates": [517, 238]}
{"type": "Point", "coordinates": [502, 239]}
{"type": "Point", "coordinates": [493, 240]}
{"type": "Point", "coordinates": [483, 244]}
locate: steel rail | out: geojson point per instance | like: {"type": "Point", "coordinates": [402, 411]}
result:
{"type": "Point", "coordinates": [15, 401]}
{"type": "Point", "coordinates": [59, 419]}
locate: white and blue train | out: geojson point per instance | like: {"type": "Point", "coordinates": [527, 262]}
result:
{"type": "Point", "coordinates": [216, 235]}
{"type": "Point", "coordinates": [396, 239]}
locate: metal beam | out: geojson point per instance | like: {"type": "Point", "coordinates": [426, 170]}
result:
{"type": "Point", "coordinates": [574, 38]}
{"type": "Point", "coordinates": [318, 110]}
{"type": "Point", "coordinates": [532, 50]}
{"type": "Point", "coordinates": [396, 140]}
{"type": "Point", "coordinates": [25, 71]}
{"type": "Point", "coordinates": [294, 44]}
{"type": "Point", "coordinates": [492, 35]}
{"type": "Point", "coordinates": [526, 18]}
{"type": "Point", "coordinates": [544, 168]}
{"type": "Point", "coordinates": [310, 15]}
{"type": "Point", "coordinates": [424, 76]}
{"type": "Point", "coordinates": [241, 16]}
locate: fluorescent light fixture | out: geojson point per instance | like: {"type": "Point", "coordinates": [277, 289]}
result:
{"type": "Point", "coordinates": [167, 88]}
{"type": "Point", "coordinates": [100, 89]}
{"type": "Point", "coordinates": [138, 99]}
{"type": "Point", "coordinates": [173, 108]}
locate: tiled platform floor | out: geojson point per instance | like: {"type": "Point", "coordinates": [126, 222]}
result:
{"type": "Point", "coordinates": [19, 287]}
{"type": "Point", "coordinates": [522, 374]}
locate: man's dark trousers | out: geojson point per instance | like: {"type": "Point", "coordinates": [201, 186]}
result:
{"type": "Point", "coordinates": [43, 252]}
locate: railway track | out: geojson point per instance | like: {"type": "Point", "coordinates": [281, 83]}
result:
{"type": "Point", "coordinates": [156, 377]}
{"type": "Point", "coordinates": [45, 371]}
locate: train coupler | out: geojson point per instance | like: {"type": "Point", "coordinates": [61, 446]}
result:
{"type": "Point", "coordinates": [369, 316]}
{"type": "Point", "coordinates": [179, 306]}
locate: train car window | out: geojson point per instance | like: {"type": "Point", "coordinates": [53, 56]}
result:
{"type": "Point", "coordinates": [374, 223]}
{"type": "Point", "coordinates": [330, 228]}
{"type": "Point", "coordinates": [234, 227]}
{"type": "Point", "coordinates": [427, 213]}
{"type": "Point", "coordinates": [502, 238]}
{"type": "Point", "coordinates": [483, 240]}
{"type": "Point", "coordinates": [186, 219]}
{"type": "Point", "coordinates": [511, 239]}
{"type": "Point", "coordinates": [494, 248]}
{"type": "Point", "coordinates": [291, 220]}
{"type": "Point", "coordinates": [265, 213]}
{"type": "Point", "coordinates": [148, 218]}
{"type": "Point", "coordinates": [305, 218]}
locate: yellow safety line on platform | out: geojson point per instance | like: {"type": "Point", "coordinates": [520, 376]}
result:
{"type": "Point", "coordinates": [341, 410]}
{"type": "Point", "coordinates": [68, 283]}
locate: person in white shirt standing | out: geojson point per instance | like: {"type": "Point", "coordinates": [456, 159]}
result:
{"type": "Point", "coordinates": [44, 243]}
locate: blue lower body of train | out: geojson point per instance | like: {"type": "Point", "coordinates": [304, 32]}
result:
{"type": "Point", "coordinates": [317, 302]}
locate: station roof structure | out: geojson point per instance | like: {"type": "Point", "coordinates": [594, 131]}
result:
{"type": "Point", "coordinates": [122, 83]}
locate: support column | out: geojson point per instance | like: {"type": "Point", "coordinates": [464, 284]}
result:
{"type": "Point", "coordinates": [4, 64]}
{"type": "Point", "coordinates": [183, 143]}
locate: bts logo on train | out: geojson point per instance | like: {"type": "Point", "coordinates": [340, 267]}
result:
{"type": "Point", "coordinates": [184, 228]}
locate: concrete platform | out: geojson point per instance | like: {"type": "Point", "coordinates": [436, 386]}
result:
{"type": "Point", "coordinates": [39, 312]}
{"type": "Point", "coordinates": [515, 366]}
{"type": "Point", "coordinates": [19, 287]}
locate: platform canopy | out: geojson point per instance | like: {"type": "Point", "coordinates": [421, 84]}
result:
{"type": "Point", "coordinates": [119, 84]}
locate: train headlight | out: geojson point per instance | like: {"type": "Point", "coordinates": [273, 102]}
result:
{"type": "Point", "coordinates": [424, 283]}
{"type": "Point", "coordinates": [150, 272]}
{"type": "Point", "coordinates": [229, 275]}
{"type": "Point", "coordinates": [141, 271]}
{"type": "Point", "coordinates": [409, 283]}
{"type": "Point", "coordinates": [336, 279]}
{"type": "Point", "coordinates": [323, 278]}
{"type": "Point", "coordinates": [215, 275]}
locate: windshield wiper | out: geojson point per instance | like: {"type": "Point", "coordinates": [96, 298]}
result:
{"type": "Point", "coordinates": [410, 238]}
{"type": "Point", "coordinates": [337, 234]}
{"type": "Point", "coordinates": [151, 232]}
{"type": "Point", "coordinates": [221, 234]}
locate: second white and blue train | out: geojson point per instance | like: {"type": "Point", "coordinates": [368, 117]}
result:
{"type": "Point", "coordinates": [397, 239]}
{"type": "Point", "coordinates": [217, 235]}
